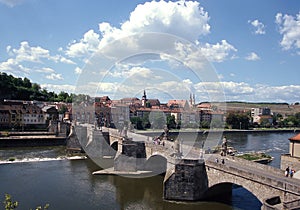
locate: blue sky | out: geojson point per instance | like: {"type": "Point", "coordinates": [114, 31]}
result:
{"type": "Point", "coordinates": [252, 47]}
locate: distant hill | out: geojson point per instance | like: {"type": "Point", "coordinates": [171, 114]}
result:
{"type": "Point", "coordinates": [282, 108]}
{"type": "Point", "coordinates": [23, 89]}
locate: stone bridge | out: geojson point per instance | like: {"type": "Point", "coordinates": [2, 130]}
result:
{"type": "Point", "coordinates": [267, 183]}
{"type": "Point", "coordinates": [187, 176]}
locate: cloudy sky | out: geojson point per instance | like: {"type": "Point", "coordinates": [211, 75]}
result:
{"type": "Point", "coordinates": [250, 49]}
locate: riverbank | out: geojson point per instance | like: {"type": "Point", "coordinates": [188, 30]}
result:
{"type": "Point", "coordinates": [32, 141]}
{"type": "Point", "coordinates": [203, 131]}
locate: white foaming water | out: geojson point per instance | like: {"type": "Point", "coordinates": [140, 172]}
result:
{"type": "Point", "coordinates": [27, 160]}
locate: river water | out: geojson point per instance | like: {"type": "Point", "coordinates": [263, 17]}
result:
{"type": "Point", "coordinates": [43, 175]}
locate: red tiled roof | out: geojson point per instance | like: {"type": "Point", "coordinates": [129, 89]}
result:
{"type": "Point", "coordinates": [295, 138]}
{"type": "Point", "coordinates": [181, 103]}
{"type": "Point", "coordinates": [204, 105]}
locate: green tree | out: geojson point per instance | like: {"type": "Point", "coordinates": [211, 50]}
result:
{"type": "Point", "coordinates": [171, 123]}
{"type": "Point", "coordinates": [63, 109]}
{"type": "Point", "coordinates": [237, 120]}
{"type": "Point", "coordinates": [9, 204]}
{"type": "Point", "coordinates": [157, 119]}
{"type": "Point", "coordinates": [22, 89]}
{"type": "Point", "coordinates": [27, 83]}
{"type": "Point", "coordinates": [137, 122]}
{"type": "Point", "coordinates": [62, 96]}
{"type": "Point", "coordinates": [216, 123]}
{"type": "Point", "coordinates": [145, 121]}
{"type": "Point", "coordinates": [204, 124]}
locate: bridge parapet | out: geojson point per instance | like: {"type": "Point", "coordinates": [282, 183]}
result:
{"type": "Point", "coordinates": [261, 183]}
{"type": "Point", "coordinates": [251, 164]}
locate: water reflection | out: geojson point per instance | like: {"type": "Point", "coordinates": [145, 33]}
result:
{"type": "Point", "coordinates": [70, 184]}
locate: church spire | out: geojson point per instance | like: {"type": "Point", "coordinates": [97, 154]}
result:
{"type": "Point", "coordinates": [144, 99]}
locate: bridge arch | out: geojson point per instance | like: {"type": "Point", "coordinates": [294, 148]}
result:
{"type": "Point", "coordinates": [156, 163]}
{"type": "Point", "coordinates": [217, 178]}
{"type": "Point", "coordinates": [223, 191]}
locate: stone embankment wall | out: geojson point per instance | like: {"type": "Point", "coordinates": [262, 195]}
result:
{"type": "Point", "coordinates": [32, 141]}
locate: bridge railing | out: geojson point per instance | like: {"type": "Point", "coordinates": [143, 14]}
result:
{"type": "Point", "coordinates": [259, 166]}
{"type": "Point", "coordinates": [281, 183]}
{"type": "Point", "coordinates": [294, 204]}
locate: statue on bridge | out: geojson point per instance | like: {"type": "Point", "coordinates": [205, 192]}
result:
{"type": "Point", "coordinates": [224, 147]}
{"type": "Point", "coordinates": [166, 133]}
{"type": "Point", "coordinates": [177, 152]}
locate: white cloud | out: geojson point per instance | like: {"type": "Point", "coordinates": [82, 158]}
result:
{"type": "Point", "coordinates": [242, 91]}
{"type": "Point", "coordinates": [78, 70]}
{"type": "Point", "coordinates": [258, 26]}
{"type": "Point", "coordinates": [218, 52]}
{"type": "Point", "coordinates": [286, 93]}
{"type": "Point", "coordinates": [61, 59]}
{"type": "Point", "coordinates": [85, 46]}
{"type": "Point", "coordinates": [234, 88]}
{"type": "Point", "coordinates": [252, 57]}
{"type": "Point", "coordinates": [46, 70]}
{"type": "Point", "coordinates": [28, 53]}
{"type": "Point", "coordinates": [27, 59]}
{"type": "Point", "coordinates": [186, 20]}
{"type": "Point", "coordinates": [289, 28]}
{"type": "Point", "coordinates": [54, 76]}
{"type": "Point", "coordinates": [58, 88]}
{"type": "Point", "coordinates": [11, 3]}
{"type": "Point", "coordinates": [13, 67]}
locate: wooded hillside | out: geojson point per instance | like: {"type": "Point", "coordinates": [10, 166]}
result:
{"type": "Point", "coordinates": [23, 89]}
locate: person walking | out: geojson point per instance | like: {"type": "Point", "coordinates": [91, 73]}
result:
{"type": "Point", "coordinates": [287, 171]}
{"type": "Point", "coordinates": [291, 173]}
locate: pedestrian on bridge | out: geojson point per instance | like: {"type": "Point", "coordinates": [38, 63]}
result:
{"type": "Point", "coordinates": [287, 171]}
{"type": "Point", "coordinates": [292, 173]}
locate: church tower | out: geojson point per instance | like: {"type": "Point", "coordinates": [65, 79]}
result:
{"type": "Point", "coordinates": [192, 100]}
{"type": "Point", "coordinates": [144, 99]}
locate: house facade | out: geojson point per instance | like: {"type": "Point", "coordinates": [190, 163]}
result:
{"type": "Point", "coordinates": [261, 116]}
{"type": "Point", "coordinates": [20, 115]}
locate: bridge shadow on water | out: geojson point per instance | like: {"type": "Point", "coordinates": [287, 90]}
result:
{"type": "Point", "coordinates": [147, 193]}
{"type": "Point", "coordinates": [239, 198]}
{"type": "Point", "coordinates": [243, 199]}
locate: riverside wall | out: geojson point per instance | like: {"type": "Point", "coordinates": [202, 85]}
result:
{"type": "Point", "coordinates": [225, 131]}
{"type": "Point", "coordinates": [32, 141]}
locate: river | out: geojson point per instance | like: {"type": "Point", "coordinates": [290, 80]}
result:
{"type": "Point", "coordinates": [43, 175]}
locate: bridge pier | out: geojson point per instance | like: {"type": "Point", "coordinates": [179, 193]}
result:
{"type": "Point", "coordinates": [131, 156]}
{"type": "Point", "coordinates": [187, 181]}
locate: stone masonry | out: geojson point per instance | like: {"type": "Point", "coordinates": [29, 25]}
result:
{"type": "Point", "coordinates": [187, 182]}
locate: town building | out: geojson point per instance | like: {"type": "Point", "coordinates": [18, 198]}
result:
{"type": "Point", "coordinates": [102, 107]}
{"type": "Point", "coordinates": [15, 114]}
{"type": "Point", "coordinates": [261, 116]}
{"type": "Point", "coordinates": [209, 113]}
{"type": "Point", "coordinates": [33, 115]}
